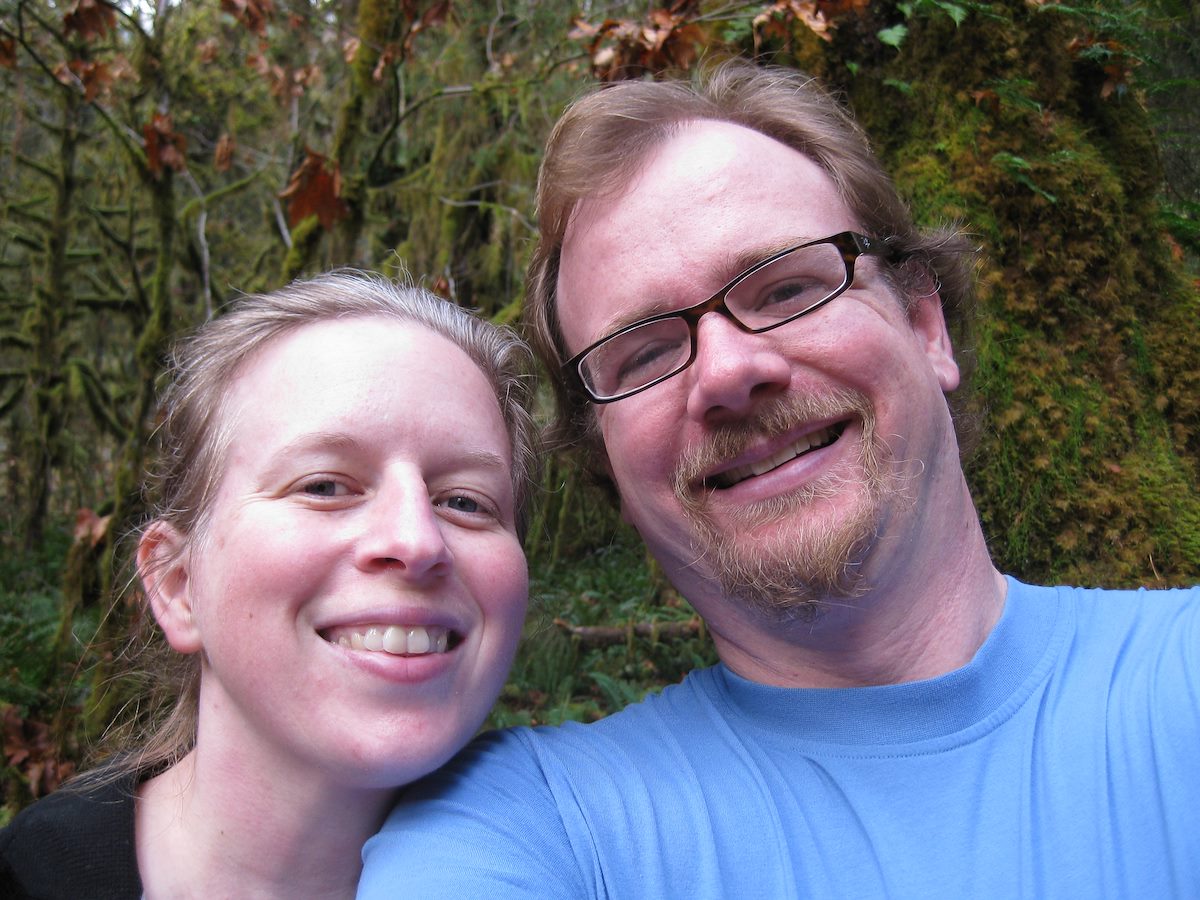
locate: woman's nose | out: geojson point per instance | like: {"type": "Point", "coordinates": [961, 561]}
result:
{"type": "Point", "coordinates": [404, 533]}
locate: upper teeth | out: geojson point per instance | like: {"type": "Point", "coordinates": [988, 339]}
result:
{"type": "Point", "coordinates": [401, 640]}
{"type": "Point", "coordinates": [813, 439]}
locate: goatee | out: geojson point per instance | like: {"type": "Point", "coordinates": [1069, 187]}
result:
{"type": "Point", "coordinates": [800, 569]}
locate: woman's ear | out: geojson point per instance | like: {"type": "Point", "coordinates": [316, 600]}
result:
{"type": "Point", "coordinates": [162, 564]}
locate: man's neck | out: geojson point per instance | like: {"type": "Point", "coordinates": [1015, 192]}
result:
{"type": "Point", "coordinates": [926, 609]}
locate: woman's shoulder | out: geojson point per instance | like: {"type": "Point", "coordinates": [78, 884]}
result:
{"type": "Point", "coordinates": [78, 841]}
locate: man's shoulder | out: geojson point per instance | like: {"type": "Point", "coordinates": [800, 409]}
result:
{"type": "Point", "coordinates": [1116, 603]}
{"type": "Point", "coordinates": [521, 763]}
{"type": "Point", "coordinates": [651, 718]}
{"type": "Point", "coordinates": [1139, 636]}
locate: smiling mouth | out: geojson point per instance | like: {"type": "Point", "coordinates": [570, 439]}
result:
{"type": "Point", "coordinates": [396, 640]}
{"type": "Point", "coordinates": [814, 440]}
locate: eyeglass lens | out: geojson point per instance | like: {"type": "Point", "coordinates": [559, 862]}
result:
{"type": "Point", "coordinates": [770, 295]}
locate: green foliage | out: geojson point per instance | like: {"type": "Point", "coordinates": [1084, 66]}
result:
{"type": "Point", "coordinates": [893, 36]}
{"type": "Point", "coordinates": [571, 665]}
{"type": "Point", "coordinates": [36, 683]}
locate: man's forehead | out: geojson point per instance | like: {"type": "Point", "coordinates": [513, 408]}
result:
{"type": "Point", "coordinates": [703, 206]}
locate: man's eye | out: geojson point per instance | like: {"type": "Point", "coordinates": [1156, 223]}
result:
{"type": "Point", "coordinates": [648, 360]}
{"type": "Point", "coordinates": [793, 295]}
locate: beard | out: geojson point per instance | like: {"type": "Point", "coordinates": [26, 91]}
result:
{"type": "Point", "coordinates": [804, 566]}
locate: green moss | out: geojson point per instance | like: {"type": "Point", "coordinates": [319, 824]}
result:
{"type": "Point", "coordinates": [305, 237]}
{"type": "Point", "coordinates": [1086, 362]}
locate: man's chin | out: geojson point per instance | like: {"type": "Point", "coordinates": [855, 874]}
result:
{"type": "Point", "coordinates": [790, 562]}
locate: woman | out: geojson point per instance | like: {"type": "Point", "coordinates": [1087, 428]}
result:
{"type": "Point", "coordinates": [336, 553]}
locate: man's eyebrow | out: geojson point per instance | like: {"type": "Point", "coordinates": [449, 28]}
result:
{"type": "Point", "coordinates": [740, 262]}
{"type": "Point", "coordinates": [733, 266]}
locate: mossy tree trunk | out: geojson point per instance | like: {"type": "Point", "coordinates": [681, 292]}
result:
{"type": "Point", "coordinates": [1013, 121]}
{"type": "Point", "coordinates": [46, 324]}
{"type": "Point", "coordinates": [93, 566]}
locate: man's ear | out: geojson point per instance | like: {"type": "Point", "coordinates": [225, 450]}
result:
{"type": "Point", "coordinates": [163, 566]}
{"type": "Point", "coordinates": [929, 324]}
{"type": "Point", "coordinates": [602, 475]}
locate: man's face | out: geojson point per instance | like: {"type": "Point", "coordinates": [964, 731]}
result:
{"type": "Point", "coordinates": [778, 464]}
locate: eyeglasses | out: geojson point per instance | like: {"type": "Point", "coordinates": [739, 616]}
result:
{"type": "Point", "coordinates": [779, 289]}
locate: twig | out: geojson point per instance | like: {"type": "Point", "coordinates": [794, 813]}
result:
{"type": "Point", "coordinates": [606, 635]}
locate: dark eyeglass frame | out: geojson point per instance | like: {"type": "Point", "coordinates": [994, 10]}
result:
{"type": "Point", "coordinates": [850, 244]}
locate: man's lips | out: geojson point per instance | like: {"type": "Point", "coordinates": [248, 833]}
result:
{"type": "Point", "coordinates": [813, 440]}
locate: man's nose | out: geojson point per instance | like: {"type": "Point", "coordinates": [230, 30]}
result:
{"type": "Point", "coordinates": [734, 370]}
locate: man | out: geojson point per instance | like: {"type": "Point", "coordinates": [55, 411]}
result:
{"type": "Point", "coordinates": [754, 348]}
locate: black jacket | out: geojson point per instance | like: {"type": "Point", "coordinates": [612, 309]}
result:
{"type": "Point", "coordinates": [76, 843]}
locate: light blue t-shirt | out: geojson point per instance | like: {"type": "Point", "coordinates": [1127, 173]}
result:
{"type": "Point", "coordinates": [1062, 761]}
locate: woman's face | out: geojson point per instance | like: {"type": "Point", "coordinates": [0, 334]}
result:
{"type": "Point", "coordinates": [358, 588]}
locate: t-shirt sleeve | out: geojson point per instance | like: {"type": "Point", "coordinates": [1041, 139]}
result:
{"type": "Point", "coordinates": [485, 825]}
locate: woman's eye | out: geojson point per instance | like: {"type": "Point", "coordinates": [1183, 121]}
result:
{"type": "Point", "coordinates": [323, 487]}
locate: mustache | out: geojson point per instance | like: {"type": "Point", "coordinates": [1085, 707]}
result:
{"type": "Point", "coordinates": [767, 421]}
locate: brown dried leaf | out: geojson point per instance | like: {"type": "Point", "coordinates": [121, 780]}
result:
{"type": "Point", "coordinates": [837, 9]}
{"type": "Point", "coordinates": [29, 749]}
{"type": "Point", "coordinates": [435, 15]}
{"type": "Point", "coordinates": [253, 14]}
{"type": "Point", "coordinates": [987, 99]}
{"type": "Point", "coordinates": [206, 50]}
{"type": "Point", "coordinates": [90, 527]}
{"type": "Point", "coordinates": [164, 146]}
{"type": "Point", "coordinates": [64, 75]}
{"type": "Point", "coordinates": [389, 55]}
{"type": "Point", "coordinates": [776, 21]}
{"type": "Point", "coordinates": [89, 19]}
{"type": "Point", "coordinates": [582, 30]}
{"type": "Point", "coordinates": [441, 287]}
{"type": "Point", "coordinates": [620, 48]}
{"type": "Point", "coordinates": [223, 154]}
{"type": "Point", "coordinates": [8, 53]}
{"type": "Point", "coordinates": [315, 189]}
{"type": "Point", "coordinates": [95, 77]}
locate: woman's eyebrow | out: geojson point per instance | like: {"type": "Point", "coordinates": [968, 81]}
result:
{"type": "Point", "coordinates": [311, 443]}
{"type": "Point", "coordinates": [485, 459]}
{"type": "Point", "coordinates": [321, 440]}
{"type": "Point", "coordinates": [324, 442]}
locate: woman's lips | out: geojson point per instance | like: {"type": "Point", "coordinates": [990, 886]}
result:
{"type": "Point", "coordinates": [397, 640]}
